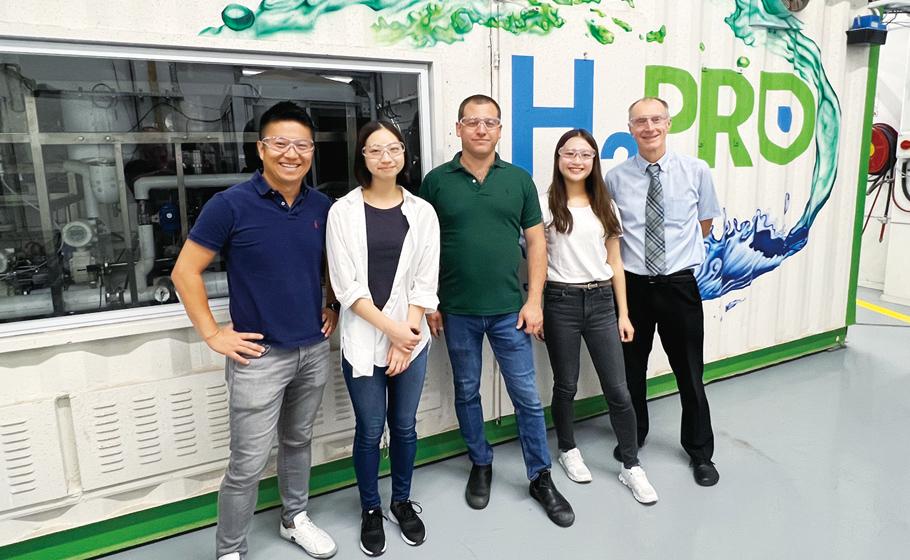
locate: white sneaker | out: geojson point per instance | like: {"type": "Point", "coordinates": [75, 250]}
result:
{"type": "Point", "coordinates": [314, 541]}
{"type": "Point", "coordinates": [637, 481]}
{"type": "Point", "coordinates": [230, 556]}
{"type": "Point", "coordinates": [574, 465]}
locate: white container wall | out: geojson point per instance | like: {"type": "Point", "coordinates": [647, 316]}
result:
{"type": "Point", "coordinates": [124, 410]}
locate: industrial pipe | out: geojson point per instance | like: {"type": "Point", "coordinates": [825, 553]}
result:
{"type": "Point", "coordinates": [88, 196]}
{"type": "Point", "coordinates": [144, 185]}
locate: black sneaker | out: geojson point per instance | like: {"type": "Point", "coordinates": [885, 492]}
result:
{"type": "Point", "coordinates": [412, 530]}
{"type": "Point", "coordinates": [372, 536]}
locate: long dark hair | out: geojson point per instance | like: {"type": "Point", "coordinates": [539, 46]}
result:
{"type": "Point", "coordinates": [594, 186]}
{"type": "Point", "coordinates": [361, 172]}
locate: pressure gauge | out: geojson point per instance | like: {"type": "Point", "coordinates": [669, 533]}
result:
{"type": "Point", "coordinates": [78, 233]}
{"type": "Point", "coordinates": [162, 294]}
{"type": "Point", "coordinates": [795, 5]}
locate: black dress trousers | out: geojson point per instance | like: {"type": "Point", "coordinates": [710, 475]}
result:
{"type": "Point", "coordinates": [672, 305]}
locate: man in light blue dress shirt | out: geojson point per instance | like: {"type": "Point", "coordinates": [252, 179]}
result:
{"type": "Point", "coordinates": [667, 203]}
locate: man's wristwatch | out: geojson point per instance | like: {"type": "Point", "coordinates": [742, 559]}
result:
{"type": "Point", "coordinates": [335, 306]}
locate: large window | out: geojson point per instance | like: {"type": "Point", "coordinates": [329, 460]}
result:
{"type": "Point", "coordinates": [105, 165]}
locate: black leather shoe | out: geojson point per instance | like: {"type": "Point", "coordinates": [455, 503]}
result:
{"type": "Point", "coordinates": [618, 456]}
{"type": "Point", "coordinates": [477, 492]}
{"type": "Point", "coordinates": [705, 473]}
{"type": "Point", "coordinates": [557, 507]}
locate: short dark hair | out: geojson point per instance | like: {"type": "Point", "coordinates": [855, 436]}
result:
{"type": "Point", "coordinates": [479, 99]}
{"type": "Point", "coordinates": [286, 111]}
{"type": "Point", "coordinates": [361, 172]}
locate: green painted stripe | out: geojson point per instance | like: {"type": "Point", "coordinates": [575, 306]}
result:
{"type": "Point", "coordinates": [167, 520]}
{"type": "Point", "coordinates": [862, 182]}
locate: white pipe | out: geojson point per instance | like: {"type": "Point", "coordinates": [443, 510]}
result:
{"type": "Point", "coordinates": [83, 298]}
{"type": "Point", "coordinates": [34, 304]}
{"type": "Point", "coordinates": [141, 189]}
{"type": "Point", "coordinates": [889, 5]}
{"type": "Point", "coordinates": [88, 196]}
{"type": "Point", "coordinates": [146, 255]}
{"type": "Point", "coordinates": [143, 185]}
{"type": "Point", "coordinates": [216, 284]}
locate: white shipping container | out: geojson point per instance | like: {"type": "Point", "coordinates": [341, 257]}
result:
{"type": "Point", "coordinates": [775, 101]}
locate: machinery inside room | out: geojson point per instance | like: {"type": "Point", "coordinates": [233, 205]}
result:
{"type": "Point", "coordinates": [105, 165]}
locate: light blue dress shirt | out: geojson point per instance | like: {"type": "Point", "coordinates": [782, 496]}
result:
{"type": "Point", "coordinates": [689, 197]}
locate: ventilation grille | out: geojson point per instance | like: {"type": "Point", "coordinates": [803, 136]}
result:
{"type": "Point", "coordinates": [31, 466]}
{"type": "Point", "coordinates": [129, 433]}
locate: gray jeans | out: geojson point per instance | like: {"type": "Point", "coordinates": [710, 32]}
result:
{"type": "Point", "coordinates": [283, 390]}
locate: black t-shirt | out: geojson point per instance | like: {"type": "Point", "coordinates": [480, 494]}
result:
{"type": "Point", "coordinates": [386, 230]}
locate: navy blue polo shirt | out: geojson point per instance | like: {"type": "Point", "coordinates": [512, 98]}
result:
{"type": "Point", "coordinates": [274, 258]}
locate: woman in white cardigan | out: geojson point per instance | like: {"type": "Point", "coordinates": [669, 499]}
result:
{"type": "Point", "coordinates": [383, 249]}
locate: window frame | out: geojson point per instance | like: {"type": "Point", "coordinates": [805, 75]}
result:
{"type": "Point", "coordinates": [33, 328]}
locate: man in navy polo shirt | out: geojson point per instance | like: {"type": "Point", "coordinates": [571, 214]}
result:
{"type": "Point", "coordinates": [271, 232]}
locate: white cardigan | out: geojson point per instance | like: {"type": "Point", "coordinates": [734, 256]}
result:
{"type": "Point", "coordinates": [415, 283]}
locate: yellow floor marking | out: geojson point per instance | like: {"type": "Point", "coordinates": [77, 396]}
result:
{"type": "Point", "coordinates": [883, 310]}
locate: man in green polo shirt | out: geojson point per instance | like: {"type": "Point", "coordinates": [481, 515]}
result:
{"type": "Point", "coordinates": [484, 204]}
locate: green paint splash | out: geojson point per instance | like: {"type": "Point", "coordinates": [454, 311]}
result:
{"type": "Point", "coordinates": [622, 25]}
{"type": "Point", "coordinates": [426, 27]}
{"type": "Point", "coordinates": [752, 247]}
{"type": "Point", "coordinates": [600, 33]}
{"type": "Point", "coordinates": [275, 16]}
{"type": "Point", "coordinates": [447, 23]}
{"type": "Point", "coordinates": [237, 17]}
{"type": "Point", "coordinates": [743, 62]}
{"type": "Point", "coordinates": [657, 36]}
{"type": "Point", "coordinates": [771, 24]}
{"type": "Point", "coordinates": [421, 23]}
{"type": "Point", "coordinates": [701, 47]}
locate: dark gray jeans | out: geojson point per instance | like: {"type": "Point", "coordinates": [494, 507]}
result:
{"type": "Point", "coordinates": [570, 314]}
{"type": "Point", "coordinates": [281, 390]}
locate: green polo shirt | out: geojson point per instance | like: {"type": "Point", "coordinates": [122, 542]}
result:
{"type": "Point", "coordinates": [480, 225]}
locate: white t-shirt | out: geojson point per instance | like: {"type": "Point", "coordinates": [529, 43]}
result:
{"type": "Point", "coordinates": [580, 256]}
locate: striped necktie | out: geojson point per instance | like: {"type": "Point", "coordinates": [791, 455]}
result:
{"type": "Point", "coordinates": [655, 245]}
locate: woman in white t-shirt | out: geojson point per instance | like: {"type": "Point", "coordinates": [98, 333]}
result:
{"type": "Point", "coordinates": [584, 292]}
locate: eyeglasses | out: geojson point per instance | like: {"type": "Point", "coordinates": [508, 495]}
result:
{"type": "Point", "coordinates": [655, 120]}
{"type": "Point", "coordinates": [585, 155]}
{"type": "Point", "coordinates": [376, 151]}
{"type": "Point", "coordinates": [474, 122]}
{"type": "Point", "coordinates": [281, 144]}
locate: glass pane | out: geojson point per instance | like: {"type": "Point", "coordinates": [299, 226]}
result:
{"type": "Point", "coordinates": [105, 165]}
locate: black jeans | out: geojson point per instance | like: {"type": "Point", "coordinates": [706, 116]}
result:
{"type": "Point", "coordinates": [570, 314]}
{"type": "Point", "coordinates": [672, 304]}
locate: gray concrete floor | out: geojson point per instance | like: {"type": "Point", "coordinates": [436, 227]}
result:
{"type": "Point", "coordinates": [812, 456]}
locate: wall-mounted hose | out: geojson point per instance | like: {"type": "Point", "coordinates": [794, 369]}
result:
{"type": "Point", "coordinates": [882, 162]}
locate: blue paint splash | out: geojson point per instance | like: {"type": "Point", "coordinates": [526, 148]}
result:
{"type": "Point", "coordinates": [733, 304]}
{"type": "Point", "coordinates": [784, 118]}
{"type": "Point", "coordinates": [748, 249]}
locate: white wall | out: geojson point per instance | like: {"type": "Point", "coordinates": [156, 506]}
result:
{"type": "Point", "coordinates": [891, 88]}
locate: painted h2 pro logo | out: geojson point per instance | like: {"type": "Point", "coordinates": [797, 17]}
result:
{"type": "Point", "coordinates": [699, 102]}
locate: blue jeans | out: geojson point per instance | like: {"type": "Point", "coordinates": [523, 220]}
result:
{"type": "Point", "coordinates": [512, 348]}
{"type": "Point", "coordinates": [368, 395]}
